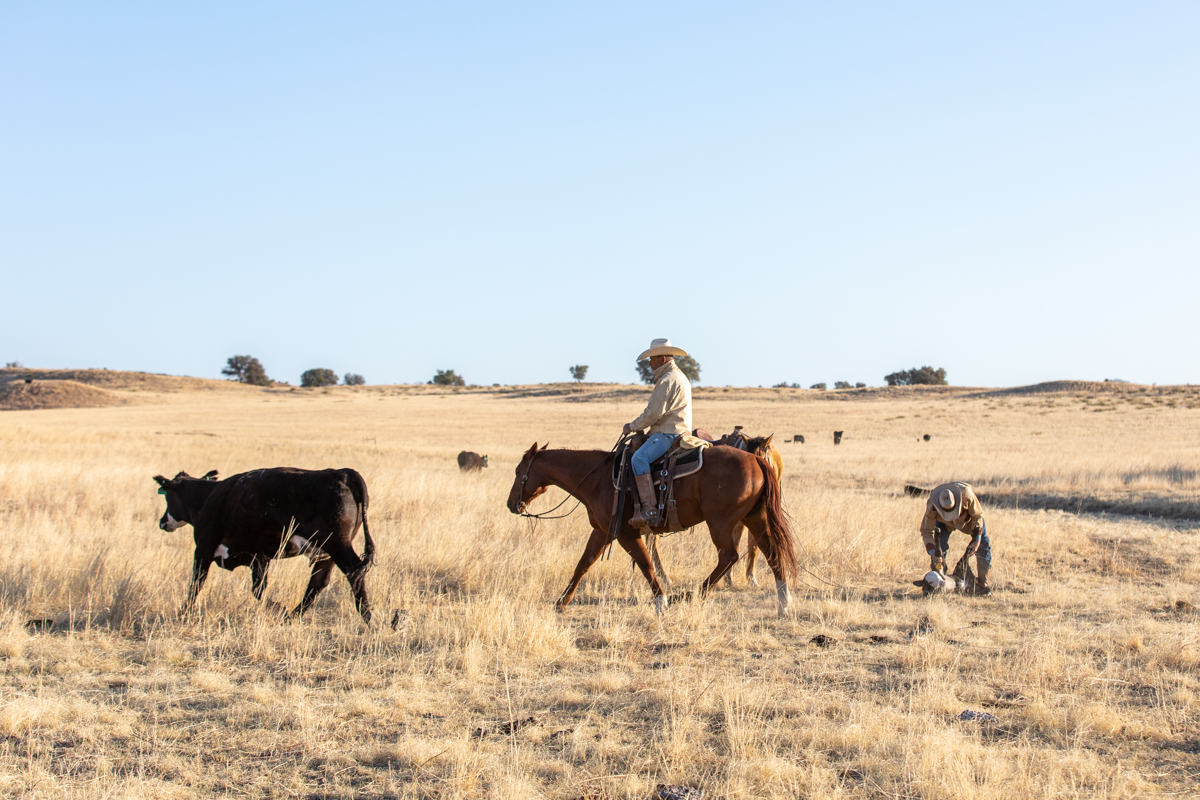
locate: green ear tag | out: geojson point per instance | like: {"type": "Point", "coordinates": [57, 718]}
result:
{"type": "Point", "coordinates": [162, 491]}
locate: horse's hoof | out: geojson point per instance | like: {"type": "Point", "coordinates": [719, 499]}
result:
{"type": "Point", "coordinates": [660, 604]}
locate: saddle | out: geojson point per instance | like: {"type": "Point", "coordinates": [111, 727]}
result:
{"type": "Point", "coordinates": [678, 462]}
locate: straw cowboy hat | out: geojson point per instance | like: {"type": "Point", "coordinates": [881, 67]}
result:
{"type": "Point", "coordinates": [662, 347]}
{"type": "Point", "coordinates": [949, 504]}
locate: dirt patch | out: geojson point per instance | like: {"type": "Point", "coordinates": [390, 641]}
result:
{"type": "Point", "coordinates": [1184, 510]}
{"type": "Point", "coordinates": [23, 396]}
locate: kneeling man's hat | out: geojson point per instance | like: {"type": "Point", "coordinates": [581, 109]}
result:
{"type": "Point", "coordinates": [949, 504]}
{"type": "Point", "coordinates": [662, 347]}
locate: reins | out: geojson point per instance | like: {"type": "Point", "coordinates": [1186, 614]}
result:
{"type": "Point", "coordinates": [570, 494]}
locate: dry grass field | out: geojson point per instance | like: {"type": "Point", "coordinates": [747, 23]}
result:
{"type": "Point", "coordinates": [1087, 655]}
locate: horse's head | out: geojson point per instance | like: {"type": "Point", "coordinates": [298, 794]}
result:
{"type": "Point", "coordinates": [528, 483]}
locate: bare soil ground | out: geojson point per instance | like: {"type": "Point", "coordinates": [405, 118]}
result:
{"type": "Point", "coordinates": [1087, 658]}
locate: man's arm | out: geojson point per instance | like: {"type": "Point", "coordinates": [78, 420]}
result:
{"type": "Point", "coordinates": [973, 510]}
{"type": "Point", "coordinates": [654, 409]}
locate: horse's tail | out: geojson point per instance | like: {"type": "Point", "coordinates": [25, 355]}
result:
{"type": "Point", "coordinates": [779, 532]}
{"type": "Point", "coordinates": [358, 488]}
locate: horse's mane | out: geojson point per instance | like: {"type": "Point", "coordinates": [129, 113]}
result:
{"type": "Point", "coordinates": [757, 445]}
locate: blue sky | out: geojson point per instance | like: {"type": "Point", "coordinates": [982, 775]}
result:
{"type": "Point", "coordinates": [794, 192]}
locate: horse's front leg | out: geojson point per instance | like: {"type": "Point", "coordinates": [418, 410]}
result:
{"type": "Point", "coordinates": [637, 548]}
{"type": "Point", "coordinates": [595, 547]}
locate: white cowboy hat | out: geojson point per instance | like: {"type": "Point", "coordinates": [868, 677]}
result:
{"type": "Point", "coordinates": [948, 504]}
{"type": "Point", "coordinates": [662, 347]}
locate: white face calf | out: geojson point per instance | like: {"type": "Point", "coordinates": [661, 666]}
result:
{"type": "Point", "coordinates": [169, 523]}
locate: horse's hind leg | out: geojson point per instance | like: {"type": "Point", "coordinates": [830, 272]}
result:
{"type": "Point", "coordinates": [595, 547]}
{"type": "Point", "coordinates": [751, 558]}
{"type": "Point", "coordinates": [725, 537]}
{"type": "Point", "coordinates": [758, 529]}
{"type": "Point", "coordinates": [637, 548]}
{"type": "Point", "coordinates": [737, 542]}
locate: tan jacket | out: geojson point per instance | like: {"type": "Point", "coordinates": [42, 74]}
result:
{"type": "Point", "coordinates": [670, 406]}
{"type": "Point", "coordinates": [970, 516]}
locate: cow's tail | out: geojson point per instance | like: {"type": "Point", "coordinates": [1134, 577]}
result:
{"type": "Point", "coordinates": [779, 531]}
{"type": "Point", "coordinates": [358, 488]}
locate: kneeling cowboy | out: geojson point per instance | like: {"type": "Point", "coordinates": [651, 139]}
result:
{"type": "Point", "coordinates": [954, 507]}
{"type": "Point", "coordinates": [668, 416]}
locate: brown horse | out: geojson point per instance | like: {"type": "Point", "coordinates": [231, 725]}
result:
{"type": "Point", "coordinates": [759, 446]}
{"type": "Point", "coordinates": [734, 489]}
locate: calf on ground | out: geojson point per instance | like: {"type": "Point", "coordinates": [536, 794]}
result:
{"type": "Point", "coordinates": [837, 437]}
{"type": "Point", "coordinates": [253, 517]}
{"type": "Point", "coordinates": [471, 462]}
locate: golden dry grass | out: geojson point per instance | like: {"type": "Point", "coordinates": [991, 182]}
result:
{"type": "Point", "coordinates": [1089, 655]}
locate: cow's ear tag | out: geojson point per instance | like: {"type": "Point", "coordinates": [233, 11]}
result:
{"type": "Point", "coordinates": [162, 491]}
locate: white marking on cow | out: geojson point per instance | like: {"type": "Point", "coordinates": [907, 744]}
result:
{"type": "Point", "coordinates": [306, 547]}
{"type": "Point", "coordinates": [785, 597]}
{"type": "Point", "coordinates": [221, 553]}
{"type": "Point", "coordinates": [172, 523]}
{"type": "Point", "coordinates": [661, 603]}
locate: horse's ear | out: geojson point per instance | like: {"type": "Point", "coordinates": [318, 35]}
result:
{"type": "Point", "coordinates": [767, 443]}
{"type": "Point", "coordinates": [547, 444]}
{"type": "Point", "coordinates": [531, 450]}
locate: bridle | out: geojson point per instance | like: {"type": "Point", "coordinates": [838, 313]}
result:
{"type": "Point", "coordinates": [545, 514]}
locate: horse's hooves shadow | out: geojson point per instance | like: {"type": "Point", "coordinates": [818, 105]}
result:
{"type": "Point", "coordinates": [681, 597]}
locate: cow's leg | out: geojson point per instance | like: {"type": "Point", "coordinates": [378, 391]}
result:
{"type": "Point", "coordinates": [318, 579]}
{"type": "Point", "coordinates": [200, 564]}
{"type": "Point", "coordinates": [595, 546]}
{"type": "Point", "coordinates": [258, 572]}
{"type": "Point", "coordinates": [355, 570]}
{"type": "Point", "coordinates": [637, 548]}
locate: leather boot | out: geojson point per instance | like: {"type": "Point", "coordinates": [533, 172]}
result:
{"type": "Point", "coordinates": [648, 515]}
{"type": "Point", "coordinates": [982, 587]}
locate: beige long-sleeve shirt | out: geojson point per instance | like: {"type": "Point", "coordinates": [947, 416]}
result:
{"type": "Point", "coordinates": [670, 406]}
{"type": "Point", "coordinates": [970, 516]}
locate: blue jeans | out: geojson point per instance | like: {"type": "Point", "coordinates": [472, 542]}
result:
{"type": "Point", "coordinates": [655, 447]}
{"type": "Point", "coordinates": [984, 553]}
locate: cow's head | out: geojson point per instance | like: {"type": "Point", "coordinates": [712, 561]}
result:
{"type": "Point", "coordinates": [182, 501]}
{"type": "Point", "coordinates": [485, 461]}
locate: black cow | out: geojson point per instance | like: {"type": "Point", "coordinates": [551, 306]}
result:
{"type": "Point", "coordinates": [799, 437]}
{"type": "Point", "coordinates": [251, 518]}
{"type": "Point", "coordinates": [927, 437]}
{"type": "Point", "coordinates": [837, 437]}
{"type": "Point", "coordinates": [471, 462]}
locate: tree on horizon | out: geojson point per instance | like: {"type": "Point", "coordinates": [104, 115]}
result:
{"type": "Point", "coordinates": [246, 369]}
